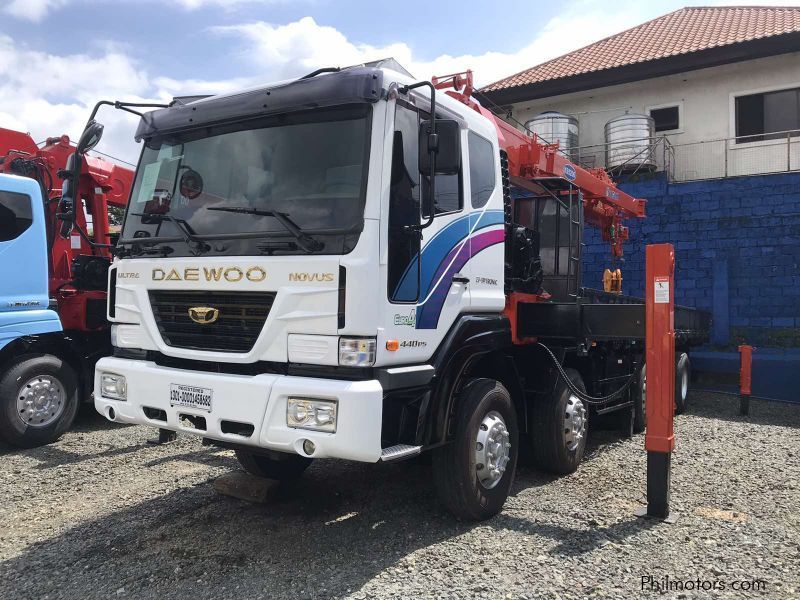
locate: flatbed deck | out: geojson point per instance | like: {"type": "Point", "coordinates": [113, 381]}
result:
{"type": "Point", "coordinates": [597, 316]}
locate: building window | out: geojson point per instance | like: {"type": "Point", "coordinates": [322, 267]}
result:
{"type": "Point", "coordinates": [666, 118]}
{"type": "Point", "coordinates": [767, 116]}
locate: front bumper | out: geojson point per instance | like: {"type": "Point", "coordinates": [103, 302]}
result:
{"type": "Point", "coordinates": [258, 400]}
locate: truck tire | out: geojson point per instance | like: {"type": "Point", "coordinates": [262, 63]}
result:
{"type": "Point", "coordinates": [640, 401]}
{"type": "Point", "coordinates": [559, 428]}
{"type": "Point", "coordinates": [280, 466]}
{"type": "Point", "coordinates": [682, 374]}
{"type": "Point", "coordinates": [474, 472]}
{"type": "Point", "coordinates": [38, 400]}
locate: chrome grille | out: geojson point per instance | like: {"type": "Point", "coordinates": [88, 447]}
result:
{"type": "Point", "coordinates": [241, 318]}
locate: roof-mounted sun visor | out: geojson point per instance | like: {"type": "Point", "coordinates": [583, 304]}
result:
{"type": "Point", "coordinates": [349, 86]}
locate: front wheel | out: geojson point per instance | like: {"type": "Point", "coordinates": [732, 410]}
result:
{"type": "Point", "coordinates": [473, 473]}
{"type": "Point", "coordinates": [38, 400]}
{"type": "Point", "coordinates": [275, 465]}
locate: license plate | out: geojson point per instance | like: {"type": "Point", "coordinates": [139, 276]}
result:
{"type": "Point", "coordinates": [190, 396]}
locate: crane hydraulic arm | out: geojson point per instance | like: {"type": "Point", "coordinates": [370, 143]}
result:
{"type": "Point", "coordinates": [79, 252]}
{"type": "Point", "coordinates": [530, 159]}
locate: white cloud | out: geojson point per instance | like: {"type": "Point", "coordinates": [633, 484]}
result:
{"type": "Point", "coordinates": [281, 51]}
{"type": "Point", "coordinates": [50, 94]}
{"type": "Point", "coordinates": [32, 10]}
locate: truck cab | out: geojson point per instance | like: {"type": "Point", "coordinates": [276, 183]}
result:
{"type": "Point", "coordinates": [34, 390]}
{"type": "Point", "coordinates": [24, 299]}
{"type": "Point", "coordinates": [312, 270]}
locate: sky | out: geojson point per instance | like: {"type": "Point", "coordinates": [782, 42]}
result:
{"type": "Point", "coordinates": [59, 57]}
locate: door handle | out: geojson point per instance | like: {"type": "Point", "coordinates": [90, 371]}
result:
{"type": "Point", "coordinates": [459, 278]}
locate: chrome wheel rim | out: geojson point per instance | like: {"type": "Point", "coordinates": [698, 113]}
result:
{"type": "Point", "coordinates": [41, 401]}
{"type": "Point", "coordinates": [574, 422]}
{"type": "Point", "coordinates": [492, 450]}
{"type": "Point", "coordinates": [684, 384]}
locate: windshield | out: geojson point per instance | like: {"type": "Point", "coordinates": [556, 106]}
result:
{"type": "Point", "coordinates": [288, 184]}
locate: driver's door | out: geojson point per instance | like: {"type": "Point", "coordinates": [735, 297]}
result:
{"type": "Point", "coordinates": [424, 267]}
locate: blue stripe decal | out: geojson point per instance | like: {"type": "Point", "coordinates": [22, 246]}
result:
{"type": "Point", "coordinates": [438, 249]}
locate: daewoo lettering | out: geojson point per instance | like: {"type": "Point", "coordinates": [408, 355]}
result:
{"type": "Point", "coordinates": [229, 274]}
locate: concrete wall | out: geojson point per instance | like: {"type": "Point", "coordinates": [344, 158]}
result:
{"type": "Point", "coordinates": [706, 98]}
{"type": "Point", "coordinates": [737, 244]}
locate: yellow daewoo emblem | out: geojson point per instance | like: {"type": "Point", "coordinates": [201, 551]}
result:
{"type": "Point", "coordinates": [204, 315]}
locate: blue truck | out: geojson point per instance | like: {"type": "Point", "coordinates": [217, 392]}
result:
{"type": "Point", "coordinates": [55, 249]}
{"type": "Point", "coordinates": [36, 390]}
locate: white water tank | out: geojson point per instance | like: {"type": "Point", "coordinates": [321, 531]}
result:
{"type": "Point", "coordinates": [552, 126]}
{"type": "Point", "coordinates": [630, 143]}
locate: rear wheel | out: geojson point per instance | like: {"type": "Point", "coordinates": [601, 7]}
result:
{"type": "Point", "coordinates": [275, 465]}
{"type": "Point", "coordinates": [473, 474]}
{"type": "Point", "coordinates": [681, 382]}
{"type": "Point", "coordinates": [38, 400]}
{"type": "Point", "coordinates": [640, 402]}
{"type": "Point", "coordinates": [560, 424]}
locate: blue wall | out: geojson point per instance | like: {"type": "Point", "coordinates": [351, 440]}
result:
{"type": "Point", "coordinates": [737, 244]}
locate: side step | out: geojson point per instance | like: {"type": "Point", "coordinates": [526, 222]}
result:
{"type": "Point", "coordinates": [399, 451]}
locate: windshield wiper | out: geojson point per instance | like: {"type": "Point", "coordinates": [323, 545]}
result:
{"type": "Point", "coordinates": [137, 250]}
{"type": "Point", "coordinates": [190, 237]}
{"type": "Point", "coordinates": [307, 243]}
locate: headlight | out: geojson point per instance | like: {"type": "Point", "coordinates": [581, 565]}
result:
{"type": "Point", "coordinates": [357, 352]}
{"type": "Point", "coordinates": [113, 386]}
{"type": "Point", "coordinates": [318, 415]}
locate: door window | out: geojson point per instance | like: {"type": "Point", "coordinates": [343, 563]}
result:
{"type": "Point", "coordinates": [404, 196]}
{"type": "Point", "coordinates": [407, 188]}
{"type": "Point", "coordinates": [16, 215]}
{"type": "Point", "coordinates": [481, 170]}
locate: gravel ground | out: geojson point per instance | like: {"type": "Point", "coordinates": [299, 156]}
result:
{"type": "Point", "coordinates": [101, 514]}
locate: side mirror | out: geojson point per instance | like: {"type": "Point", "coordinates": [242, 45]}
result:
{"type": "Point", "coordinates": [447, 144]}
{"type": "Point", "coordinates": [90, 137]}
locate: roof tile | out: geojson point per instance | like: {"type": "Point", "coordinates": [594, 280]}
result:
{"type": "Point", "coordinates": [684, 31]}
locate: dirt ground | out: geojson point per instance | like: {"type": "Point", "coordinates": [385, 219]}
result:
{"type": "Point", "coordinates": [102, 514]}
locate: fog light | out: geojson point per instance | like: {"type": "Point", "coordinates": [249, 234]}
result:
{"type": "Point", "coordinates": [357, 352]}
{"type": "Point", "coordinates": [317, 415]}
{"type": "Point", "coordinates": [309, 447]}
{"type": "Point", "coordinates": [113, 386]}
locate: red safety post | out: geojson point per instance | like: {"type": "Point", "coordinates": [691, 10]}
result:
{"type": "Point", "coordinates": [659, 440]}
{"type": "Point", "coordinates": [745, 378]}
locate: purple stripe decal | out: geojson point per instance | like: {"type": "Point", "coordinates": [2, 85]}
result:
{"type": "Point", "coordinates": [428, 313]}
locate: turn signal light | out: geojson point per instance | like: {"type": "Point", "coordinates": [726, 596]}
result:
{"type": "Point", "coordinates": [392, 345]}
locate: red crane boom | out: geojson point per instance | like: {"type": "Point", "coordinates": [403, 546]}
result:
{"type": "Point", "coordinates": [530, 159]}
{"type": "Point", "coordinates": [101, 184]}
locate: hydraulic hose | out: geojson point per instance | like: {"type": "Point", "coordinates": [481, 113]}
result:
{"type": "Point", "coordinates": [583, 395]}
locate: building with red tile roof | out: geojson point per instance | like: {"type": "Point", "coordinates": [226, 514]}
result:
{"type": "Point", "coordinates": [686, 39]}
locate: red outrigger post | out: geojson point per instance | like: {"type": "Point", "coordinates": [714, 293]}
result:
{"type": "Point", "coordinates": [659, 438]}
{"type": "Point", "coordinates": [745, 378]}
{"type": "Point", "coordinates": [529, 159]}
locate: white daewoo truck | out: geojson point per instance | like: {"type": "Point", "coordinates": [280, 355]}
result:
{"type": "Point", "coordinates": [351, 265]}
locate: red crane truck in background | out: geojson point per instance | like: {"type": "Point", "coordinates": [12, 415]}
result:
{"type": "Point", "coordinates": [44, 376]}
